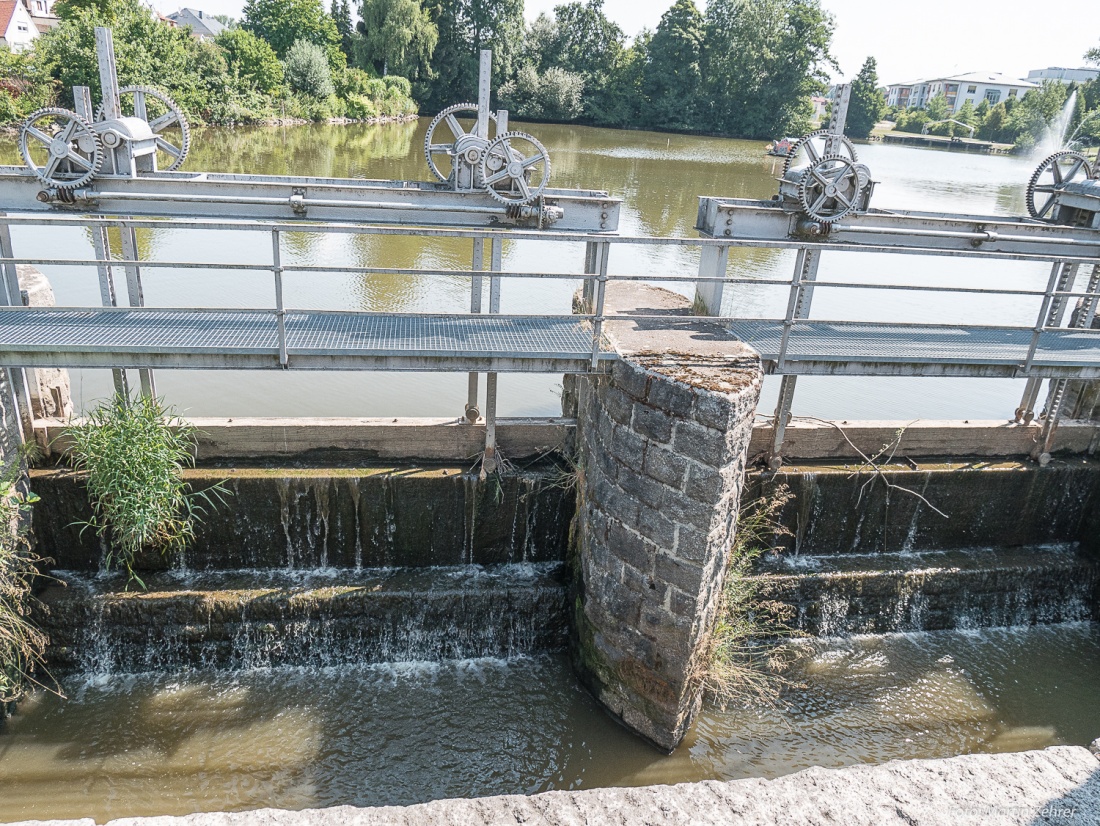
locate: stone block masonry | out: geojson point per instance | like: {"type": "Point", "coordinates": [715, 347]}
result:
{"type": "Point", "coordinates": [662, 443]}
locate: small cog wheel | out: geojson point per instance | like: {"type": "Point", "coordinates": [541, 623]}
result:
{"type": "Point", "coordinates": [814, 146]}
{"type": "Point", "coordinates": [1051, 175]}
{"type": "Point", "coordinates": [163, 116]}
{"type": "Point", "coordinates": [468, 144]}
{"type": "Point", "coordinates": [829, 188]}
{"type": "Point", "coordinates": [510, 163]}
{"type": "Point", "coordinates": [60, 148]}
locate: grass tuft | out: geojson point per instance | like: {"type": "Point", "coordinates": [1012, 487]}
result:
{"type": "Point", "coordinates": [744, 660]}
{"type": "Point", "coordinates": [134, 452]}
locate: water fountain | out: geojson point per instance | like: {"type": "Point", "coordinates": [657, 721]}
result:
{"type": "Point", "coordinates": [1055, 136]}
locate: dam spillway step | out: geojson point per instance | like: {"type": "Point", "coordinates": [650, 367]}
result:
{"type": "Point", "coordinates": [264, 618]}
{"type": "Point", "coordinates": [844, 594]}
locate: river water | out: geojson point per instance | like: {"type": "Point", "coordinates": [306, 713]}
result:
{"type": "Point", "coordinates": [406, 733]}
{"type": "Point", "coordinates": [658, 176]}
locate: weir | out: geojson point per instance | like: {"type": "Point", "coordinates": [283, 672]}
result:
{"type": "Point", "coordinates": [620, 551]}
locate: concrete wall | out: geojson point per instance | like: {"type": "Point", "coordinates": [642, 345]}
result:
{"type": "Point", "coordinates": [662, 449]}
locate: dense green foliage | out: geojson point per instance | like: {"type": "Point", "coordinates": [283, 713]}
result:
{"type": "Point", "coordinates": [22, 643]}
{"type": "Point", "coordinates": [674, 76]}
{"type": "Point", "coordinates": [134, 452]}
{"type": "Point", "coordinates": [307, 70]}
{"type": "Point", "coordinates": [867, 104]}
{"type": "Point", "coordinates": [239, 77]}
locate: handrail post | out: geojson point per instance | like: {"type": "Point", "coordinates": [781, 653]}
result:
{"type": "Point", "coordinates": [12, 296]}
{"type": "Point", "coordinates": [713, 262]}
{"type": "Point", "coordinates": [496, 254]}
{"type": "Point", "coordinates": [280, 310]}
{"type": "Point", "coordinates": [598, 309]}
{"type": "Point", "coordinates": [1053, 308]}
{"type": "Point", "coordinates": [135, 294]}
{"type": "Point", "coordinates": [1056, 274]}
{"type": "Point", "coordinates": [798, 307]}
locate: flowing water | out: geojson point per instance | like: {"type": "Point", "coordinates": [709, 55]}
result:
{"type": "Point", "coordinates": [398, 734]}
{"type": "Point", "coordinates": [659, 178]}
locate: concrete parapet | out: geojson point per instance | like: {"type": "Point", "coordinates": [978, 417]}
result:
{"type": "Point", "coordinates": [661, 445]}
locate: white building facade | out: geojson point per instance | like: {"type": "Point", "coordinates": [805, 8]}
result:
{"type": "Point", "coordinates": [17, 30]}
{"type": "Point", "coordinates": [1066, 76]}
{"type": "Point", "coordinates": [958, 89]}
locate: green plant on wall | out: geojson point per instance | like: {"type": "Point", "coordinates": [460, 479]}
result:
{"type": "Point", "coordinates": [744, 662]}
{"type": "Point", "coordinates": [134, 452]}
{"type": "Point", "coordinates": [22, 643]}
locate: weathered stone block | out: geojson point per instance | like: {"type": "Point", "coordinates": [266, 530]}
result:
{"type": "Point", "coordinates": [712, 410]}
{"type": "Point", "coordinates": [619, 406]}
{"type": "Point", "coordinates": [665, 466]}
{"type": "Point", "coordinates": [630, 547]}
{"type": "Point", "coordinates": [674, 398]}
{"type": "Point", "coordinates": [703, 444]}
{"type": "Point", "coordinates": [704, 484]}
{"type": "Point", "coordinates": [686, 576]}
{"type": "Point", "coordinates": [652, 424]}
{"type": "Point", "coordinates": [657, 528]}
{"type": "Point", "coordinates": [631, 378]}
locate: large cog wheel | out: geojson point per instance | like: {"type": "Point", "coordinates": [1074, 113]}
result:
{"type": "Point", "coordinates": [508, 167]}
{"type": "Point", "coordinates": [814, 147]}
{"type": "Point", "coordinates": [1053, 174]}
{"type": "Point", "coordinates": [60, 148]}
{"type": "Point", "coordinates": [829, 188]}
{"type": "Point", "coordinates": [469, 144]}
{"type": "Point", "coordinates": [172, 116]}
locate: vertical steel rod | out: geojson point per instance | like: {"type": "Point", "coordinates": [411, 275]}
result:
{"type": "Point", "coordinates": [101, 244]}
{"type": "Point", "coordinates": [13, 297]}
{"type": "Point", "coordinates": [489, 462]}
{"type": "Point", "coordinates": [713, 262]}
{"type": "Point", "coordinates": [476, 288]}
{"type": "Point", "coordinates": [280, 311]}
{"type": "Point", "coordinates": [496, 264]}
{"type": "Point", "coordinates": [135, 294]}
{"type": "Point", "coordinates": [1044, 313]}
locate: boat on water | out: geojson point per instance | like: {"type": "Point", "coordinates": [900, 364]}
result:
{"type": "Point", "coordinates": [780, 148]}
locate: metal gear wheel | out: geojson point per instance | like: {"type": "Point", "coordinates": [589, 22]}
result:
{"type": "Point", "coordinates": [171, 116]}
{"type": "Point", "coordinates": [829, 188]}
{"type": "Point", "coordinates": [506, 170]}
{"type": "Point", "coordinates": [813, 145]}
{"type": "Point", "coordinates": [1052, 174]}
{"type": "Point", "coordinates": [462, 141]}
{"type": "Point", "coordinates": [60, 148]}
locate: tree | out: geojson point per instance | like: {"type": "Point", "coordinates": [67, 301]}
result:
{"type": "Point", "coordinates": [1030, 118]}
{"type": "Point", "coordinates": [307, 69]}
{"type": "Point", "coordinates": [587, 43]}
{"type": "Point", "coordinates": [554, 95]}
{"type": "Point", "coordinates": [673, 76]}
{"type": "Point", "coordinates": [251, 59]}
{"type": "Point", "coordinates": [993, 124]}
{"type": "Point", "coordinates": [938, 108]}
{"type": "Point", "coordinates": [341, 16]}
{"type": "Point", "coordinates": [284, 22]}
{"type": "Point", "coordinates": [398, 36]}
{"type": "Point", "coordinates": [762, 61]}
{"type": "Point", "coordinates": [1093, 56]}
{"type": "Point", "coordinates": [466, 27]}
{"type": "Point", "coordinates": [867, 104]}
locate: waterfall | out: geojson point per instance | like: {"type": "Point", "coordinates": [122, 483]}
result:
{"type": "Point", "coordinates": [1055, 136]}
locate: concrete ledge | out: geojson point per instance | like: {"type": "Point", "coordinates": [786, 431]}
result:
{"type": "Point", "coordinates": [1059, 785]}
{"type": "Point", "coordinates": [401, 439]}
{"type": "Point", "coordinates": [452, 440]}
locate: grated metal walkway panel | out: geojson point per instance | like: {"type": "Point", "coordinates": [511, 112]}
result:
{"type": "Point", "coordinates": [853, 347]}
{"type": "Point", "coordinates": [315, 339]}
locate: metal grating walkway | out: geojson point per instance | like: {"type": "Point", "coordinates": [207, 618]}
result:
{"type": "Point", "coordinates": [864, 348]}
{"type": "Point", "coordinates": [146, 337]}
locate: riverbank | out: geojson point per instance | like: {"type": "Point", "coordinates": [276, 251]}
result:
{"type": "Point", "coordinates": [1056, 785]}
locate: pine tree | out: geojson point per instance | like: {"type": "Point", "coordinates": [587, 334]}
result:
{"type": "Point", "coordinates": [673, 76]}
{"type": "Point", "coordinates": [867, 104]}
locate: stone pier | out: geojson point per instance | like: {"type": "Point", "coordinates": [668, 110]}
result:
{"type": "Point", "coordinates": [661, 446]}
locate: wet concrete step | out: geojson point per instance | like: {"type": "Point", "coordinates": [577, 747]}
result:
{"type": "Point", "coordinates": [321, 517]}
{"type": "Point", "coordinates": [261, 618]}
{"type": "Point", "coordinates": [933, 591]}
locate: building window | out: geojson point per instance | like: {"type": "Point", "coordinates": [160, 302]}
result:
{"type": "Point", "coordinates": [970, 90]}
{"type": "Point", "coordinates": [1012, 93]}
{"type": "Point", "coordinates": [993, 96]}
{"type": "Point", "coordinates": [22, 28]}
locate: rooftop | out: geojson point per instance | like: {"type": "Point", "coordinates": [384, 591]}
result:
{"type": "Point", "coordinates": [200, 22]}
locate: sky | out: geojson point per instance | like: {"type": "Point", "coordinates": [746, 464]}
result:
{"type": "Point", "coordinates": [910, 40]}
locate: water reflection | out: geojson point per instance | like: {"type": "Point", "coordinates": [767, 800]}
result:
{"type": "Point", "coordinates": [659, 177]}
{"type": "Point", "coordinates": [403, 733]}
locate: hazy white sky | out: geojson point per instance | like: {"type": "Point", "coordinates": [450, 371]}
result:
{"type": "Point", "coordinates": [910, 40]}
